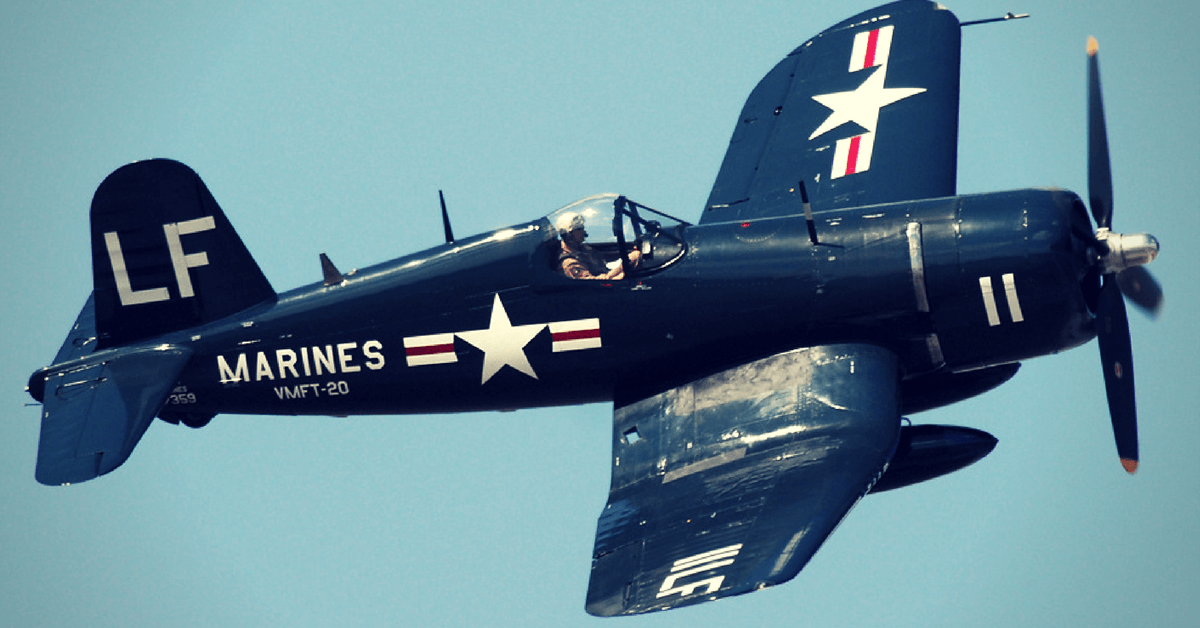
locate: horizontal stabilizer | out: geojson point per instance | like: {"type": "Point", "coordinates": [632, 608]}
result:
{"type": "Point", "coordinates": [95, 410]}
{"type": "Point", "coordinates": [82, 338]}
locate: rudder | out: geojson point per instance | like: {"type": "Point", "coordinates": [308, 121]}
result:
{"type": "Point", "coordinates": [164, 256]}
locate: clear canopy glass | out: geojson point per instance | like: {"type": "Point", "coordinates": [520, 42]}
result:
{"type": "Point", "coordinates": [621, 232]}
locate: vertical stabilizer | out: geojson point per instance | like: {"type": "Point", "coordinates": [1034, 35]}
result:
{"type": "Point", "coordinates": [164, 256]}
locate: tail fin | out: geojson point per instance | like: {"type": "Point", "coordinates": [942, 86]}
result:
{"type": "Point", "coordinates": [164, 256]}
{"type": "Point", "coordinates": [164, 259]}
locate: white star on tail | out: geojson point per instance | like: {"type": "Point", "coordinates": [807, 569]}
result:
{"type": "Point", "coordinates": [863, 104]}
{"type": "Point", "coordinates": [502, 343]}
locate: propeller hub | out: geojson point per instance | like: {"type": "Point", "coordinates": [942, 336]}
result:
{"type": "Point", "coordinates": [1126, 251]}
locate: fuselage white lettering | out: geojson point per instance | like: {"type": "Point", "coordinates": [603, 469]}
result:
{"type": "Point", "coordinates": [281, 364]}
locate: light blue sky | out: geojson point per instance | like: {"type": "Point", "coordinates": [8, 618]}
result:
{"type": "Point", "coordinates": [325, 127]}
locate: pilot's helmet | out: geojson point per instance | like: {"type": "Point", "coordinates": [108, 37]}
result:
{"type": "Point", "coordinates": [568, 222]}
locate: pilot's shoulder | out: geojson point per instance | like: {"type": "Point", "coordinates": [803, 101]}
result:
{"type": "Point", "coordinates": [571, 266]}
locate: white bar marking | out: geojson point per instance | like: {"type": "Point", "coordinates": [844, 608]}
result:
{"type": "Point", "coordinates": [421, 358]}
{"type": "Point", "coordinates": [559, 331]}
{"type": "Point", "coordinates": [989, 301]}
{"type": "Point", "coordinates": [847, 162]}
{"type": "Point", "coordinates": [883, 47]}
{"type": "Point", "coordinates": [916, 258]}
{"type": "Point", "coordinates": [1010, 291]}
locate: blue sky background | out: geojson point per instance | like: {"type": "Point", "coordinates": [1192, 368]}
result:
{"type": "Point", "coordinates": [330, 126]}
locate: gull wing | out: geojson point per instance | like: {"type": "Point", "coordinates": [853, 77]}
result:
{"type": "Point", "coordinates": [731, 483]}
{"type": "Point", "coordinates": [864, 113]}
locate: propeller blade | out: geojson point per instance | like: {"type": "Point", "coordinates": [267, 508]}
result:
{"type": "Point", "coordinates": [1100, 191]}
{"type": "Point", "coordinates": [1116, 355]}
{"type": "Point", "coordinates": [1142, 289]}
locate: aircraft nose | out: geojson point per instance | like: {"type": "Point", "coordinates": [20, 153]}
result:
{"type": "Point", "coordinates": [1086, 251]}
{"type": "Point", "coordinates": [1127, 251]}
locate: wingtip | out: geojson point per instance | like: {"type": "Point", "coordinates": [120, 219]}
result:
{"type": "Point", "coordinates": [1092, 46]}
{"type": "Point", "coordinates": [1130, 465]}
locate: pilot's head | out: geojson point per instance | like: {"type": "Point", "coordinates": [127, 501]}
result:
{"type": "Point", "coordinates": [568, 224]}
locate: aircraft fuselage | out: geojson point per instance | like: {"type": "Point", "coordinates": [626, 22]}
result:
{"type": "Point", "coordinates": [486, 323]}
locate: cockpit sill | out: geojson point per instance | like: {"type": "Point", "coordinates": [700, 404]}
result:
{"type": "Point", "coordinates": [617, 226]}
{"type": "Point", "coordinates": [611, 231]}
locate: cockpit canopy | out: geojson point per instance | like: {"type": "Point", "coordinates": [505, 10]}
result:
{"type": "Point", "coordinates": [621, 232]}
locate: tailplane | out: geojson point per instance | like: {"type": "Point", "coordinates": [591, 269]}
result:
{"type": "Point", "coordinates": [94, 413]}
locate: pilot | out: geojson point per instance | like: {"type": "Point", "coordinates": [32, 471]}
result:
{"type": "Point", "coordinates": [577, 259]}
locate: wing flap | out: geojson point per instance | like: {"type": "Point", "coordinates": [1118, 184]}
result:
{"type": "Point", "coordinates": [733, 481]}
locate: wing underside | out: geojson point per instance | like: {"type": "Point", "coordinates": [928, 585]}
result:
{"type": "Point", "coordinates": [730, 483]}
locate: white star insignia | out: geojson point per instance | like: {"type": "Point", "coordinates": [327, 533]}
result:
{"type": "Point", "coordinates": [502, 343]}
{"type": "Point", "coordinates": [861, 105]}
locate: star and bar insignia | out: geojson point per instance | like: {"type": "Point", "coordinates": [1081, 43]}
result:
{"type": "Point", "coordinates": [861, 105]}
{"type": "Point", "coordinates": [503, 344]}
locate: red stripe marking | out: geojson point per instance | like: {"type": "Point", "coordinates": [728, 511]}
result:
{"type": "Point", "coordinates": [429, 349]}
{"type": "Point", "coordinates": [872, 42]}
{"type": "Point", "coordinates": [581, 334]}
{"type": "Point", "coordinates": [852, 155]}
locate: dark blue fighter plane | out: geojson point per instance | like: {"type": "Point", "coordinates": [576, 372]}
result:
{"type": "Point", "coordinates": [759, 362]}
